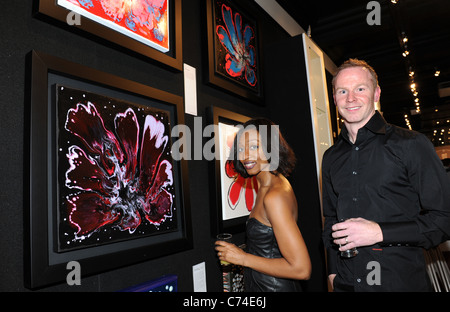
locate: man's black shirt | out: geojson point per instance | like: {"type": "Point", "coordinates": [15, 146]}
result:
{"type": "Point", "coordinates": [394, 177]}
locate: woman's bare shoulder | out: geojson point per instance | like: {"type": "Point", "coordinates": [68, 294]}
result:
{"type": "Point", "coordinates": [279, 195]}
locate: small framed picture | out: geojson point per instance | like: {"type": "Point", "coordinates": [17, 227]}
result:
{"type": "Point", "coordinates": [235, 195]}
{"type": "Point", "coordinates": [233, 50]}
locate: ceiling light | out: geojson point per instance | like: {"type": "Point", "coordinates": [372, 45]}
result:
{"type": "Point", "coordinates": [437, 73]}
{"type": "Point", "coordinates": [394, 1]}
{"type": "Point", "coordinates": [407, 122]}
{"type": "Point", "coordinates": [406, 53]}
{"type": "Point", "coordinates": [404, 38]}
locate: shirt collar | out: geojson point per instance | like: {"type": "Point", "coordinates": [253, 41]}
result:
{"type": "Point", "coordinates": [377, 124]}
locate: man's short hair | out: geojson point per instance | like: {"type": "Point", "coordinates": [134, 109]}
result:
{"type": "Point", "coordinates": [356, 63]}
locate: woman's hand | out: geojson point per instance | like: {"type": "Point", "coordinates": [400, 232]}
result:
{"type": "Point", "coordinates": [230, 253]}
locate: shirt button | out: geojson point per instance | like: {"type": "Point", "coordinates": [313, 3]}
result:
{"type": "Point", "coordinates": [358, 280]}
{"type": "Point", "coordinates": [354, 173]}
{"type": "Point", "coordinates": [355, 199]}
{"type": "Point", "coordinates": [356, 148]}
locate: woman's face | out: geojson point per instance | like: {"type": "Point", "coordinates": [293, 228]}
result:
{"type": "Point", "coordinates": [250, 152]}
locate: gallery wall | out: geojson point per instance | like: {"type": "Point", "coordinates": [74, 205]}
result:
{"type": "Point", "coordinates": [22, 32]}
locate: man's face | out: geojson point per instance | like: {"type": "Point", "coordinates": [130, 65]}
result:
{"type": "Point", "coordinates": [355, 96]}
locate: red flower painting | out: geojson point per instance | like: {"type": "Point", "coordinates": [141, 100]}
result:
{"type": "Point", "coordinates": [239, 186]}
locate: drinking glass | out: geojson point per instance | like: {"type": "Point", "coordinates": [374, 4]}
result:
{"type": "Point", "coordinates": [225, 266]}
{"type": "Point", "coordinates": [226, 237]}
{"type": "Point", "coordinates": [350, 253]}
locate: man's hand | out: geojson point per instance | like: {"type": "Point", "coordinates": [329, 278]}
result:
{"type": "Point", "coordinates": [356, 232]}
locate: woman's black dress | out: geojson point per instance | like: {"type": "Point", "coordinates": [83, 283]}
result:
{"type": "Point", "coordinates": [261, 242]}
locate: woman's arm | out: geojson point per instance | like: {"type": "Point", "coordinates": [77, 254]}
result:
{"type": "Point", "coordinates": [295, 262]}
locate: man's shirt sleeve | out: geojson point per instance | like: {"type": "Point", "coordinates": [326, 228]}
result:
{"type": "Point", "coordinates": [432, 184]}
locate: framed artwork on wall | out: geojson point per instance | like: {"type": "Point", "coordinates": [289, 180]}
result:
{"type": "Point", "coordinates": [234, 195]}
{"type": "Point", "coordinates": [148, 27]}
{"type": "Point", "coordinates": [233, 50]}
{"type": "Point", "coordinates": [104, 189]}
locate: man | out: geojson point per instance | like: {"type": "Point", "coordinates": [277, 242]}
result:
{"type": "Point", "coordinates": [389, 186]}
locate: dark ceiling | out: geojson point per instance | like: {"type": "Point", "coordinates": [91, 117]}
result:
{"type": "Point", "coordinates": [341, 30]}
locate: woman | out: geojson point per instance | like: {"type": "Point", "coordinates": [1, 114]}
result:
{"type": "Point", "coordinates": [276, 256]}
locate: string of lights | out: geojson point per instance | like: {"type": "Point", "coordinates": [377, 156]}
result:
{"type": "Point", "coordinates": [412, 77]}
{"type": "Point", "coordinates": [407, 54]}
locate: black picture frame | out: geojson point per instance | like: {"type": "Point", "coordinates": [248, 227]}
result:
{"type": "Point", "coordinates": [173, 58]}
{"type": "Point", "coordinates": [44, 264]}
{"type": "Point", "coordinates": [217, 54]}
{"type": "Point", "coordinates": [220, 224]}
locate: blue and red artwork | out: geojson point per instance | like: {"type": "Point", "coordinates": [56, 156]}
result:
{"type": "Point", "coordinates": [144, 20]}
{"type": "Point", "coordinates": [236, 53]}
{"type": "Point", "coordinates": [115, 173]}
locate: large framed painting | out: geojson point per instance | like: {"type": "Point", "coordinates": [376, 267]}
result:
{"type": "Point", "coordinates": [148, 27]}
{"type": "Point", "coordinates": [104, 189]}
{"type": "Point", "coordinates": [234, 195]}
{"type": "Point", "coordinates": [233, 50]}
